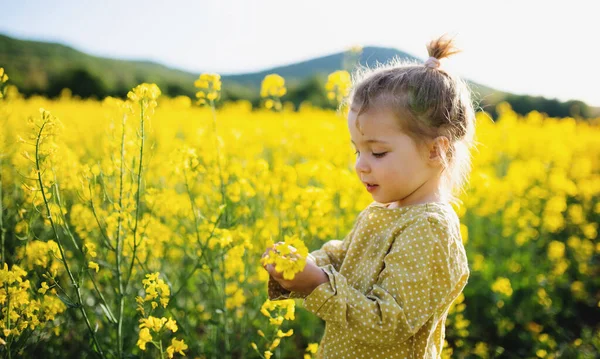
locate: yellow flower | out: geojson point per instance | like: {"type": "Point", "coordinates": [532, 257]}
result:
{"type": "Point", "coordinates": [502, 285]}
{"type": "Point", "coordinates": [94, 265]}
{"type": "Point", "coordinates": [275, 344]}
{"type": "Point", "coordinates": [153, 323]}
{"type": "Point", "coordinates": [268, 354]}
{"type": "Point", "coordinates": [578, 289]}
{"type": "Point", "coordinates": [312, 348]}
{"type": "Point", "coordinates": [556, 250]}
{"type": "Point", "coordinates": [276, 321]}
{"type": "Point", "coordinates": [171, 325]}
{"type": "Point", "coordinates": [269, 104]}
{"type": "Point", "coordinates": [44, 288]}
{"type": "Point", "coordinates": [287, 304]}
{"type": "Point", "coordinates": [144, 96]}
{"type": "Point", "coordinates": [209, 86]}
{"type": "Point", "coordinates": [155, 287]}
{"type": "Point", "coordinates": [289, 333]}
{"type": "Point", "coordinates": [289, 257]}
{"type": "Point", "coordinates": [273, 85]}
{"type": "Point", "coordinates": [90, 249]}
{"type": "Point", "coordinates": [338, 85]}
{"type": "Point", "coordinates": [144, 91]}
{"type": "Point", "coordinates": [177, 346]}
{"type": "Point", "coordinates": [144, 338]}
{"type": "Point", "coordinates": [3, 76]}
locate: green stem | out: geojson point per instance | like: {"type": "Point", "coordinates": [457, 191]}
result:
{"type": "Point", "coordinates": [102, 231]}
{"type": "Point", "coordinates": [8, 320]}
{"type": "Point", "coordinates": [60, 206]}
{"type": "Point", "coordinates": [214, 118]}
{"type": "Point", "coordinates": [223, 199]}
{"type": "Point", "coordinates": [60, 246]}
{"type": "Point", "coordinates": [2, 230]}
{"type": "Point", "coordinates": [137, 195]}
{"type": "Point", "coordinates": [81, 250]}
{"type": "Point", "coordinates": [119, 249]}
{"type": "Point", "coordinates": [202, 246]}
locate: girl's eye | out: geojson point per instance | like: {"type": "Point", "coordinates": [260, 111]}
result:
{"type": "Point", "coordinates": [376, 155]}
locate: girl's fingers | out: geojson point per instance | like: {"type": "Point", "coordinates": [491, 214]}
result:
{"type": "Point", "coordinates": [274, 273]}
{"type": "Point", "coordinates": [269, 268]}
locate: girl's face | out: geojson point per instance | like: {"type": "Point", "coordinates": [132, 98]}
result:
{"type": "Point", "coordinates": [389, 163]}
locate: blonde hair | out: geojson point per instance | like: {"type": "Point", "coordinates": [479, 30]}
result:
{"type": "Point", "coordinates": [428, 102]}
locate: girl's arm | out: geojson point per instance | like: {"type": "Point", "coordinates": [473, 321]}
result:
{"type": "Point", "coordinates": [425, 270]}
{"type": "Point", "coordinates": [332, 253]}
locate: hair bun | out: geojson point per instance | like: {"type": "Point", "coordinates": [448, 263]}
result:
{"type": "Point", "coordinates": [432, 62]}
{"type": "Point", "coordinates": [440, 48]}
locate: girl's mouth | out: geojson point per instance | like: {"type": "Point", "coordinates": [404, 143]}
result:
{"type": "Point", "coordinates": [371, 187]}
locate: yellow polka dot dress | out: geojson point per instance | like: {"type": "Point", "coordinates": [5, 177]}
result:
{"type": "Point", "coordinates": [391, 283]}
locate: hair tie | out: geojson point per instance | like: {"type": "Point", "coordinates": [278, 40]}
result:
{"type": "Point", "coordinates": [432, 62]}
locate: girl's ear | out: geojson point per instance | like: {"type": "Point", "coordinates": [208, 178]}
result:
{"type": "Point", "coordinates": [438, 149]}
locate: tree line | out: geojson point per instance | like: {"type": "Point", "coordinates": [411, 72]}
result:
{"type": "Point", "coordinates": [85, 84]}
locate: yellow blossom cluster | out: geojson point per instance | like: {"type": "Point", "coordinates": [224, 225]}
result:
{"type": "Point", "coordinates": [289, 256]}
{"type": "Point", "coordinates": [271, 90]}
{"type": "Point", "coordinates": [311, 349]}
{"type": "Point", "coordinates": [502, 285]}
{"type": "Point", "coordinates": [40, 254]}
{"type": "Point", "coordinates": [277, 312]}
{"type": "Point", "coordinates": [156, 291]}
{"type": "Point", "coordinates": [338, 85]}
{"type": "Point", "coordinates": [151, 327]}
{"type": "Point", "coordinates": [19, 308]}
{"type": "Point", "coordinates": [146, 95]}
{"type": "Point", "coordinates": [209, 88]}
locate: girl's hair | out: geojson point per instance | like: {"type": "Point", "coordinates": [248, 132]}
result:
{"type": "Point", "coordinates": [428, 102]}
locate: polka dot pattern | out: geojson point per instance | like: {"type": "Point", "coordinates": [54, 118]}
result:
{"type": "Point", "coordinates": [391, 283]}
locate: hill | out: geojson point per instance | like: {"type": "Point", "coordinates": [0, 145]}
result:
{"type": "Point", "coordinates": [46, 68]}
{"type": "Point", "coordinates": [34, 65]}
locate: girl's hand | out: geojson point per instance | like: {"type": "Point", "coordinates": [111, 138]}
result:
{"type": "Point", "coordinates": [304, 282]}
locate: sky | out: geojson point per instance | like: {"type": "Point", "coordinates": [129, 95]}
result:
{"type": "Point", "coordinates": [539, 48]}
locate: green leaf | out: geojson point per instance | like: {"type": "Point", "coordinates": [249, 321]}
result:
{"type": "Point", "coordinates": [67, 302]}
{"type": "Point", "coordinates": [108, 313]}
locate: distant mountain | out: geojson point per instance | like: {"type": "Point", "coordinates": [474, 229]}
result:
{"type": "Point", "coordinates": [321, 66]}
{"type": "Point", "coordinates": [326, 64]}
{"type": "Point", "coordinates": [45, 68]}
{"type": "Point", "coordinates": [33, 65]}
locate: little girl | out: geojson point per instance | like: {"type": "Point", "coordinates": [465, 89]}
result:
{"type": "Point", "coordinates": [384, 291]}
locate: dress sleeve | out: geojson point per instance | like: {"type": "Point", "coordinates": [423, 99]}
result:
{"type": "Point", "coordinates": [332, 253]}
{"type": "Point", "coordinates": [424, 271]}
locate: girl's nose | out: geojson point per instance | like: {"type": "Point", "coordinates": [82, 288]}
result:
{"type": "Point", "coordinates": [361, 165]}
